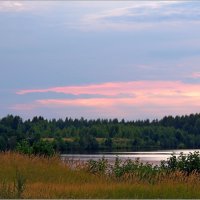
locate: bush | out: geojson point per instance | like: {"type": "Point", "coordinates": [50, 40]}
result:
{"type": "Point", "coordinates": [185, 163]}
{"type": "Point", "coordinates": [24, 147]}
{"type": "Point", "coordinates": [144, 172]}
{"type": "Point", "coordinates": [42, 148]}
{"type": "Point", "coordinates": [98, 167]}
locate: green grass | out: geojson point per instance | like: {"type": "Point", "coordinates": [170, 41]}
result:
{"type": "Point", "coordinates": [50, 178]}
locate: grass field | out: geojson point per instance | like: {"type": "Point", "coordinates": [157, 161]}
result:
{"type": "Point", "coordinates": [37, 177]}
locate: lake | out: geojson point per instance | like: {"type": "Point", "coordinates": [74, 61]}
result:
{"type": "Point", "coordinates": [153, 157]}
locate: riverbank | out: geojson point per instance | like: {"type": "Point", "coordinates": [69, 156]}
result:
{"type": "Point", "coordinates": [38, 177]}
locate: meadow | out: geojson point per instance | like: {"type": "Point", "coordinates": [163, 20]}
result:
{"type": "Point", "coordinates": [30, 176]}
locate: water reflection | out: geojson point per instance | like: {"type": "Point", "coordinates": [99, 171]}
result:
{"type": "Point", "coordinates": [145, 156]}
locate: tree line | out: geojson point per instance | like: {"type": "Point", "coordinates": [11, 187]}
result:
{"type": "Point", "coordinates": [78, 135]}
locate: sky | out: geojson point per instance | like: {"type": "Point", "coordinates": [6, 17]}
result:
{"type": "Point", "coordinates": [99, 59]}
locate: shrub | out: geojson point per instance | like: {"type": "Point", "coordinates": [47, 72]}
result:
{"type": "Point", "coordinates": [185, 163]}
{"type": "Point", "coordinates": [24, 147]}
{"type": "Point", "coordinates": [41, 148]}
{"type": "Point", "coordinates": [100, 166]}
{"type": "Point", "coordinates": [144, 172]}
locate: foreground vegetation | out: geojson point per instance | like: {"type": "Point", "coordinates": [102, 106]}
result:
{"type": "Point", "coordinates": [30, 176]}
{"type": "Point", "coordinates": [79, 135]}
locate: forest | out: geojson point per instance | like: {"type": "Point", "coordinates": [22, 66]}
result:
{"type": "Point", "coordinates": [83, 135]}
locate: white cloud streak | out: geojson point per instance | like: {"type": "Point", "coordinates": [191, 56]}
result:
{"type": "Point", "coordinates": [141, 15]}
{"type": "Point", "coordinates": [12, 6]}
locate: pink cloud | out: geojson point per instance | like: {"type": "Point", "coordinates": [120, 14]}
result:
{"type": "Point", "coordinates": [136, 98]}
{"type": "Point", "coordinates": [94, 102]}
{"type": "Point", "coordinates": [195, 75]}
{"type": "Point", "coordinates": [115, 102]}
{"type": "Point", "coordinates": [25, 106]}
{"type": "Point", "coordinates": [165, 88]}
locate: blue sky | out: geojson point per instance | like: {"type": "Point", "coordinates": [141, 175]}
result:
{"type": "Point", "coordinates": [124, 59]}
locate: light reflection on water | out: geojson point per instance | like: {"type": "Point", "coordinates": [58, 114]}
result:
{"type": "Point", "coordinates": [144, 156]}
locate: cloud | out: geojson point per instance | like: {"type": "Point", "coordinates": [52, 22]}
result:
{"type": "Point", "coordinates": [124, 99]}
{"type": "Point", "coordinates": [134, 88]}
{"type": "Point", "coordinates": [142, 15]}
{"type": "Point", "coordinates": [95, 102]}
{"type": "Point", "coordinates": [25, 106]}
{"type": "Point", "coordinates": [29, 6]}
{"type": "Point", "coordinates": [99, 15]}
{"type": "Point", "coordinates": [10, 6]}
{"type": "Point", "coordinates": [195, 75]}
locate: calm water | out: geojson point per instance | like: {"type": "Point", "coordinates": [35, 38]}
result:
{"type": "Point", "coordinates": [145, 156]}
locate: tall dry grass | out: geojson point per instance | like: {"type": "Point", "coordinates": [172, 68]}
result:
{"type": "Point", "coordinates": [51, 178]}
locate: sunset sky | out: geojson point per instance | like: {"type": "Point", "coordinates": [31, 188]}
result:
{"type": "Point", "coordinates": [99, 59]}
